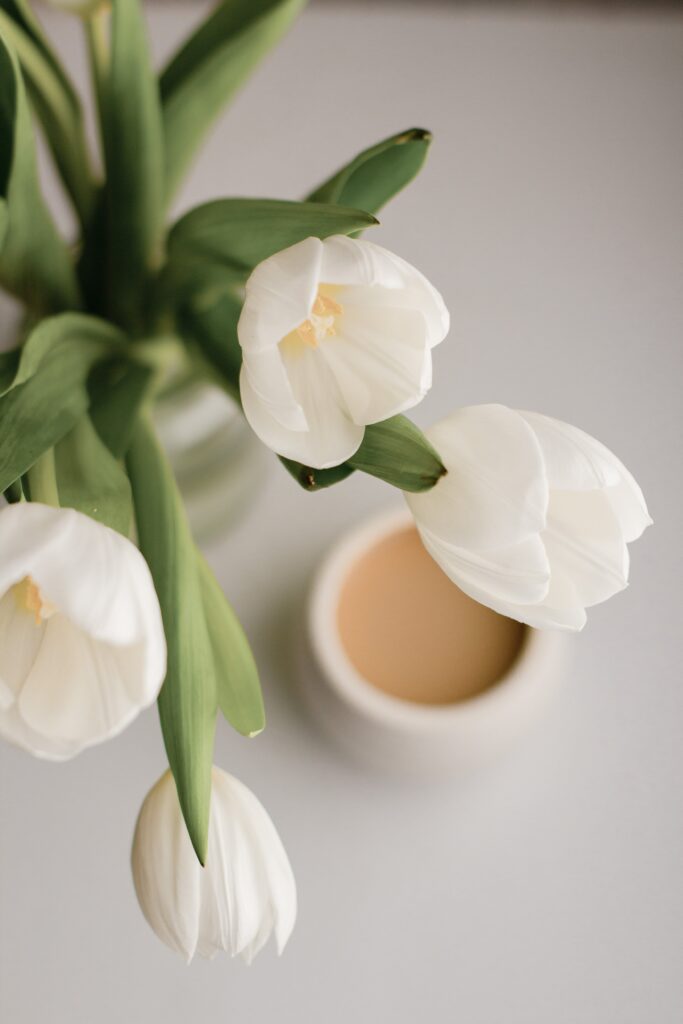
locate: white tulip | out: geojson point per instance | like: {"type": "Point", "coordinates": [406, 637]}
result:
{"type": "Point", "coordinates": [245, 891]}
{"type": "Point", "coordinates": [82, 647]}
{"type": "Point", "coordinates": [533, 516]}
{"type": "Point", "coordinates": [335, 334]}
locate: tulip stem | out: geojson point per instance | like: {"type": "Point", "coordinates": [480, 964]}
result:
{"type": "Point", "coordinates": [98, 53]}
{"type": "Point", "coordinates": [42, 480]}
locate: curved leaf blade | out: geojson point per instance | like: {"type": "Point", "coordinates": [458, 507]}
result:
{"type": "Point", "coordinates": [397, 452]}
{"type": "Point", "coordinates": [35, 263]}
{"type": "Point", "coordinates": [239, 233]}
{"type": "Point", "coordinates": [187, 701]}
{"type": "Point", "coordinates": [133, 143]}
{"type": "Point", "coordinates": [54, 100]}
{"type": "Point", "coordinates": [91, 480]}
{"type": "Point", "coordinates": [38, 413]}
{"type": "Point", "coordinates": [237, 681]}
{"type": "Point", "coordinates": [316, 479]}
{"type": "Point", "coordinates": [209, 68]}
{"type": "Point", "coordinates": [377, 174]}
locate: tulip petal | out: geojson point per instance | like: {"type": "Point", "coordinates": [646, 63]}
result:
{"type": "Point", "coordinates": [17, 658]}
{"type": "Point", "coordinates": [260, 940]}
{"type": "Point", "coordinates": [331, 437]}
{"type": "Point", "coordinates": [279, 295]}
{"type": "Point", "coordinates": [628, 504]}
{"type": "Point", "coordinates": [576, 461]}
{"type": "Point", "coordinates": [276, 872]}
{"type": "Point", "coordinates": [495, 492]}
{"type": "Point", "coordinates": [265, 379]}
{"type": "Point", "coordinates": [234, 901]}
{"type": "Point", "coordinates": [77, 690]}
{"type": "Point", "coordinates": [380, 360]}
{"type": "Point", "coordinates": [347, 261]}
{"type": "Point", "coordinates": [585, 544]}
{"type": "Point", "coordinates": [562, 608]}
{"type": "Point", "coordinates": [90, 572]}
{"type": "Point", "coordinates": [573, 459]}
{"type": "Point", "coordinates": [166, 872]}
{"type": "Point", "coordinates": [102, 653]}
{"type": "Point", "coordinates": [518, 573]}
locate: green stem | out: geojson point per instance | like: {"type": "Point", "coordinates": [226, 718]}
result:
{"type": "Point", "coordinates": [98, 53]}
{"type": "Point", "coordinates": [42, 480]}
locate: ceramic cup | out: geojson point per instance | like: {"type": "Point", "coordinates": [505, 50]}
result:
{"type": "Point", "coordinates": [390, 732]}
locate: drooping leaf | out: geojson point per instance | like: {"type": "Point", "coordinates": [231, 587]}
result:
{"type": "Point", "coordinates": [210, 66]}
{"type": "Point", "coordinates": [91, 480]}
{"type": "Point", "coordinates": [35, 263]}
{"type": "Point", "coordinates": [133, 145]}
{"type": "Point", "coordinates": [397, 452]}
{"type": "Point", "coordinates": [187, 702]}
{"type": "Point", "coordinates": [38, 413]}
{"type": "Point", "coordinates": [316, 479]}
{"type": "Point", "coordinates": [237, 681]}
{"type": "Point", "coordinates": [239, 233]}
{"type": "Point", "coordinates": [373, 177]}
{"type": "Point", "coordinates": [118, 390]}
{"type": "Point", "coordinates": [54, 100]}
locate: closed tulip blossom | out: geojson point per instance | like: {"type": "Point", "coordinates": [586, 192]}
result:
{"type": "Point", "coordinates": [335, 335]}
{"type": "Point", "coordinates": [82, 647]}
{"type": "Point", "coordinates": [533, 517]}
{"type": "Point", "coordinates": [245, 892]}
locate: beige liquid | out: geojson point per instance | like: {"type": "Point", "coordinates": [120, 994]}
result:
{"type": "Point", "coordinates": [410, 631]}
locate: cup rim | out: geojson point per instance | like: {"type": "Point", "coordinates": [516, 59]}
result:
{"type": "Point", "coordinates": [367, 699]}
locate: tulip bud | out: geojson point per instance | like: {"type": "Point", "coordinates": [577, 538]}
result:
{"type": "Point", "coordinates": [533, 516]}
{"type": "Point", "coordinates": [246, 889]}
{"type": "Point", "coordinates": [82, 647]}
{"type": "Point", "coordinates": [335, 335]}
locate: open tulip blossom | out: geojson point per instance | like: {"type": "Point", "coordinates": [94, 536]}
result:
{"type": "Point", "coordinates": [533, 516]}
{"type": "Point", "coordinates": [335, 334]}
{"type": "Point", "coordinates": [243, 894]}
{"type": "Point", "coordinates": [82, 647]}
{"type": "Point", "coordinates": [324, 338]}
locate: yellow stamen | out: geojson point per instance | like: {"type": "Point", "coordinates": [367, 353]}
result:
{"type": "Point", "coordinates": [29, 598]}
{"type": "Point", "coordinates": [320, 324]}
{"type": "Point", "coordinates": [325, 305]}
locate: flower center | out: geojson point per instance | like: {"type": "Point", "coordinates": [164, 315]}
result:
{"type": "Point", "coordinates": [320, 324]}
{"type": "Point", "coordinates": [29, 599]}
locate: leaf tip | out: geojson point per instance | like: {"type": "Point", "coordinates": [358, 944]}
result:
{"type": "Point", "coordinates": [417, 135]}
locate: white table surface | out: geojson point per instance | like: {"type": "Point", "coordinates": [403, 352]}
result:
{"type": "Point", "coordinates": [550, 890]}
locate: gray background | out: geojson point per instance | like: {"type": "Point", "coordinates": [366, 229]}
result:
{"type": "Point", "coordinates": [548, 890]}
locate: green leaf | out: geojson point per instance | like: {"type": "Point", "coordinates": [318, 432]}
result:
{"type": "Point", "coordinates": [237, 681]}
{"type": "Point", "coordinates": [91, 480]}
{"type": "Point", "coordinates": [54, 100]}
{"type": "Point", "coordinates": [118, 390]}
{"type": "Point", "coordinates": [239, 233]}
{"type": "Point", "coordinates": [316, 479]}
{"type": "Point", "coordinates": [35, 263]}
{"type": "Point", "coordinates": [187, 702]}
{"type": "Point", "coordinates": [210, 66]}
{"type": "Point", "coordinates": [15, 492]}
{"type": "Point", "coordinates": [397, 452]}
{"type": "Point", "coordinates": [38, 413]}
{"type": "Point", "coordinates": [214, 330]}
{"type": "Point", "coordinates": [373, 177]}
{"type": "Point", "coordinates": [134, 160]}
